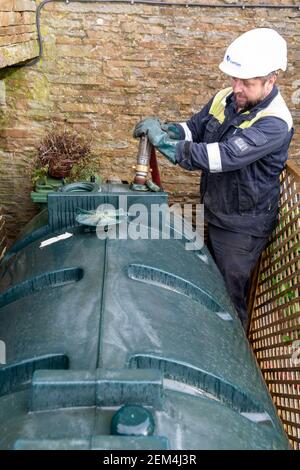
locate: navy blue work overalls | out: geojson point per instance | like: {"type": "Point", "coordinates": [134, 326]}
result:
{"type": "Point", "coordinates": [241, 155]}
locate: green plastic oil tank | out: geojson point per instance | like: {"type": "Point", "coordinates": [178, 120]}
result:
{"type": "Point", "coordinates": [123, 343]}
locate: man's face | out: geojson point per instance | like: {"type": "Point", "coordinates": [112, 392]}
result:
{"type": "Point", "coordinates": [249, 92]}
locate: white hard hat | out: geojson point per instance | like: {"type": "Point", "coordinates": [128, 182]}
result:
{"type": "Point", "coordinates": [255, 53]}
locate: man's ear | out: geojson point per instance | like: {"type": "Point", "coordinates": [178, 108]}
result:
{"type": "Point", "coordinates": [271, 81]}
{"type": "Point", "coordinates": [273, 78]}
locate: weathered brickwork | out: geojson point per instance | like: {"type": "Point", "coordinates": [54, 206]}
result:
{"type": "Point", "coordinates": [17, 31]}
{"type": "Point", "coordinates": [106, 66]}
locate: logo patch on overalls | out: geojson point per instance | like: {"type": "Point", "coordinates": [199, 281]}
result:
{"type": "Point", "coordinates": [241, 144]}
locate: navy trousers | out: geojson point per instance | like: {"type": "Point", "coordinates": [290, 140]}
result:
{"type": "Point", "coordinates": [236, 255]}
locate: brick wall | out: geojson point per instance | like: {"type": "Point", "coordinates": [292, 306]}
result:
{"type": "Point", "coordinates": [106, 66]}
{"type": "Point", "coordinates": [17, 31]}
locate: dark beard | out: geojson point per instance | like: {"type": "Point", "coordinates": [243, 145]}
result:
{"type": "Point", "coordinates": [248, 105]}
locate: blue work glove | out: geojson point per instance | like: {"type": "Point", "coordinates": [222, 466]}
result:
{"type": "Point", "coordinates": [161, 140]}
{"type": "Point", "coordinates": [143, 126]}
{"type": "Point", "coordinates": [171, 128]}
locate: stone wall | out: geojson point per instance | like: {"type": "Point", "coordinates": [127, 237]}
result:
{"type": "Point", "coordinates": [17, 31]}
{"type": "Point", "coordinates": [106, 66]}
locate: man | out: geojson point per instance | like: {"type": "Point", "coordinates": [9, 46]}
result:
{"type": "Point", "coordinates": [240, 141]}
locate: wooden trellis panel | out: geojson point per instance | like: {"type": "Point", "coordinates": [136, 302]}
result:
{"type": "Point", "coordinates": [275, 324]}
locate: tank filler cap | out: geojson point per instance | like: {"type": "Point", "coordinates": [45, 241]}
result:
{"type": "Point", "coordinates": [80, 187]}
{"type": "Point", "coordinates": [132, 420]}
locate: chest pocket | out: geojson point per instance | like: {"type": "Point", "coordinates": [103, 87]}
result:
{"type": "Point", "coordinates": [212, 130]}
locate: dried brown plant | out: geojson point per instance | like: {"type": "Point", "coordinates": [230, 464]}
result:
{"type": "Point", "coordinates": [60, 149]}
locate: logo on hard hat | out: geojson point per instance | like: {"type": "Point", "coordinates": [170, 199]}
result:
{"type": "Point", "coordinates": [228, 58]}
